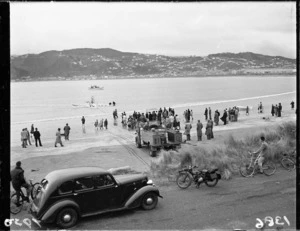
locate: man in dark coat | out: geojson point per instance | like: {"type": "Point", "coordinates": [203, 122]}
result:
{"type": "Point", "coordinates": [18, 181]}
{"type": "Point", "coordinates": [37, 138]}
{"type": "Point", "coordinates": [205, 113]}
{"type": "Point", "coordinates": [83, 124]}
{"type": "Point", "coordinates": [224, 117]}
{"type": "Point", "coordinates": [209, 113]}
{"type": "Point", "coordinates": [199, 130]}
{"type": "Point", "coordinates": [67, 131]}
{"type": "Point", "coordinates": [279, 109]}
{"type": "Point", "coordinates": [105, 123]}
{"type": "Point", "coordinates": [272, 110]}
{"type": "Point", "coordinates": [292, 105]}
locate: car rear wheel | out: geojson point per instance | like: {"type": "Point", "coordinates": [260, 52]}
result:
{"type": "Point", "coordinates": [67, 218]}
{"type": "Point", "coordinates": [149, 201]}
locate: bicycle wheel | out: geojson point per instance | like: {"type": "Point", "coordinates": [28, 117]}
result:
{"type": "Point", "coordinates": [287, 164]}
{"type": "Point", "coordinates": [184, 180]}
{"type": "Point", "coordinates": [35, 190]}
{"type": "Point", "coordinates": [14, 209]}
{"type": "Point", "coordinates": [269, 168]}
{"type": "Point", "coordinates": [245, 170]}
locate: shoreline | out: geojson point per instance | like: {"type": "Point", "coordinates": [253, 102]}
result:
{"type": "Point", "coordinates": [168, 77]}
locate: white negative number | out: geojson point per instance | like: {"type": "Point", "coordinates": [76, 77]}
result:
{"type": "Point", "coordinates": [27, 222]}
{"type": "Point", "coordinates": [8, 222]}
{"type": "Point", "coordinates": [269, 220]}
{"type": "Point", "coordinates": [287, 221]}
{"type": "Point", "coordinates": [260, 224]}
{"type": "Point", "coordinates": [277, 219]}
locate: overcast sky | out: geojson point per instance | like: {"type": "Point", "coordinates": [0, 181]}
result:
{"type": "Point", "coordinates": [155, 28]}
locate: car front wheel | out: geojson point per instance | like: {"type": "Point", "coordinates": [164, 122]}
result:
{"type": "Point", "coordinates": [67, 218]}
{"type": "Point", "coordinates": [149, 201]}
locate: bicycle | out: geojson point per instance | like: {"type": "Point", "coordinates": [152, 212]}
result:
{"type": "Point", "coordinates": [288, 160]}
{"type": "Point", "coordinates": [249, 169]}
{"type": "Point", "coordinates": [14, 209]}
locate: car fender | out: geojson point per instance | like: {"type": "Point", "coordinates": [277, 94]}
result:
{"type": "Point", "coordinates": [52, 211]}
{"type": "Point", "coordinates": [135, 199]}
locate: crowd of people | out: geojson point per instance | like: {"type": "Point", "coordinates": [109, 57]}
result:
{"type": "Point", "coordinates": [166, 117]}
{"type": "Point", "coordinates": [26, 137]}
{"type": "Point", "coordinates": [276, 110]}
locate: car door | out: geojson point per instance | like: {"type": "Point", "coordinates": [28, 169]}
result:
{"type": "Point", "coordinates": [84, 194]}
{"type": "Point", "coordinates": [107, 194]}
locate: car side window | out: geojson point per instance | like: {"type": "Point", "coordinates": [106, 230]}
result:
{"type": "Point", "coordinates": [83, 184]}
{"type": "Point", "coordinates": [66, 187]}
{"type": "Point", "coordinates": [103, 180]}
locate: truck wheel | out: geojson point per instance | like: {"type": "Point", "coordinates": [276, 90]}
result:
{"type": "Point", "coordinates": [67, 218]}
{"type": "Point", "coordinates": [149, 201]}
{"type": "Point", "coordinates": [152, 153]}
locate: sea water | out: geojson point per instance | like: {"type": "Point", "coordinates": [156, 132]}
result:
{"type": "Point", "coordinates": [48, 104]}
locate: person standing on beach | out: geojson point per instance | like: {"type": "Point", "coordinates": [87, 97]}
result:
{"type": "Point", "coordinates": [105, 124]}
{"type": "Point", "coordinates": [27, 136]}
{"type": "Point", "coordinates": [279, 109]}
{"type": "Point", "coordinates": [247, 110]}
{"type": "Point", "coordinates": [272, 110]}
{"type": "Point", "coordinates": [260, 107]}
{"type": "Point", "coordinates": [32, 130]}
{"type": "Point", "coordinates": [224, 117]}
{"type": "Point", "coordinates": [292, 105]}
{"type": "Point", "coordinates": [209, 113]}
{"type": "Point", "coordinates": [209, 130]}
{"type": "Point", "coordinates": [23, 138]}
{"type": "Point", "coordinates": [67, 131]}
{"type": "Point", "coordinates": [58, 139]}
{"type": "Point", "coordinates": [83, 124]}
{"type": "Point", "coordinates": [37, 138]}
{"type": "Point", "coordinates": [199, 130]}
{"type": "Point", "coordinates": [216, 118]}
{"type": "Point", "coordinates": [191, 114]}
{"type": "Point", "coordinates": [96, 125]}
{"type": "Point", "coordinates": [205, 113]}
{"type": "Point", "coordinates": [188, 128]}
{"type": "Point", "coordinates": [276, 110]}
{"type": "Point", "coordinates": [101, 124]}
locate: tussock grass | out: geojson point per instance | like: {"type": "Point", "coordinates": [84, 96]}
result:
{"type": "Point", "coordinates": [228, 155]}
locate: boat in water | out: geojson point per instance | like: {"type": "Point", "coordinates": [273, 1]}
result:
{"type": "Point", "coordinates": [95, 87]}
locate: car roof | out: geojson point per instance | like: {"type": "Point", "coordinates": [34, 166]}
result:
{"type": "Point", "coordinates": [59, 176]}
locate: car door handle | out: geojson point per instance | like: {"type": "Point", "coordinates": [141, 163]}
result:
{"type": "Point", "coordinates": [75, 194]}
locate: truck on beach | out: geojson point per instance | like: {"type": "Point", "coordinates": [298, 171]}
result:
{"type": "Point", "coordinates": [153, 136]}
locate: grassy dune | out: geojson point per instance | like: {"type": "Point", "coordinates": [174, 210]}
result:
{"type": "Point", "coordinates": [227, 155]}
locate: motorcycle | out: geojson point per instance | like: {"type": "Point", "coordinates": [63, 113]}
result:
{"type": "Point", "coordinates": [188, 175]}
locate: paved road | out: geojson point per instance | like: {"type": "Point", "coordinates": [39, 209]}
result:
{"type": "Point", "coordinates": [230, 205]}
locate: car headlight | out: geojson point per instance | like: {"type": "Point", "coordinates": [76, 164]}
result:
{"type": "Point", "coordinates": [150, 182]}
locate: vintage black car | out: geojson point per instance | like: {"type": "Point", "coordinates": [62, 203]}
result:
{"type": "Point", "coordinates": [69, 194]}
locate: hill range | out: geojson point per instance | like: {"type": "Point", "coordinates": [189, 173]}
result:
{"type": "Point", "coordinates": [107, 63]}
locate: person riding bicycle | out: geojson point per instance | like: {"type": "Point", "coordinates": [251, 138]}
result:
{"type": "Point", "coordinates": [262, 153]}
{"type": "Point", "coordinates": [18, 181]}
